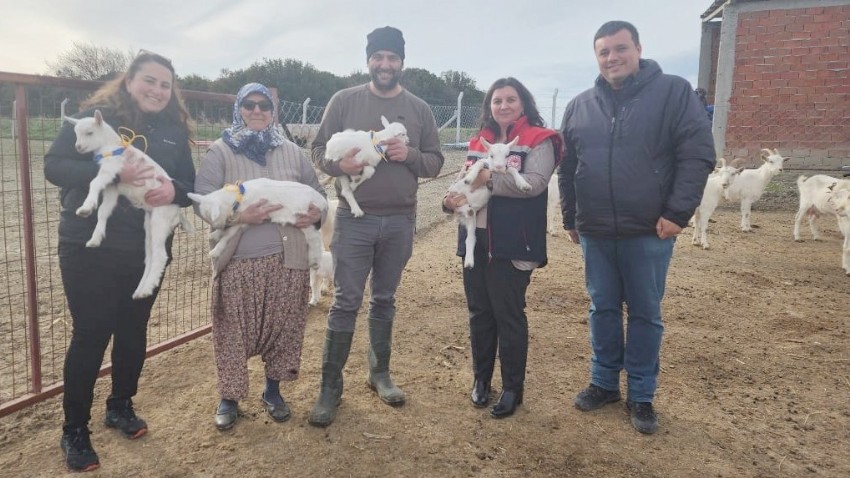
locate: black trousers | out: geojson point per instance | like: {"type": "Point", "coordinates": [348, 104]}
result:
{"type": "Point", "coordinates": [99, 284]}
{"type": "Point", "coordinates": [495, 297]}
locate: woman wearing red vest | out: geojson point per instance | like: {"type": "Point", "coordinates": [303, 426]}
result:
{"type": "Point", "coordinates": [510, 240]}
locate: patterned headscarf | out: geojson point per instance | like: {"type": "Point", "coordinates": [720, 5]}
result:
{"type": "Point", "coordinates": [242, 139]}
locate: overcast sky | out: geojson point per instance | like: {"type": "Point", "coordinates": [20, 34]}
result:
{"type": "Point", "coordinates": [546, 44]}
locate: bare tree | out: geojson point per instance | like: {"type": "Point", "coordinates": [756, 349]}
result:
{"type": "Point", "coordinates": [87, 61]}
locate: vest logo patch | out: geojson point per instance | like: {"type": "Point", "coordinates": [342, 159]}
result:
{"type": "Point", "coordinates": [515, 162]}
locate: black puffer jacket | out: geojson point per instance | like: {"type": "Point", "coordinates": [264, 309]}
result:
{"type": "Point", "coordinates": [634, 155]}
{"type": "Point", "coordinates": [168, 145]}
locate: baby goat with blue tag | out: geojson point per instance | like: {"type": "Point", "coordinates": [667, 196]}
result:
{"type": "Point", "coordinates": [94, 135]}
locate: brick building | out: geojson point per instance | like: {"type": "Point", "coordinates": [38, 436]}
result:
{"type": "Point", "coordinates": [778, 73]}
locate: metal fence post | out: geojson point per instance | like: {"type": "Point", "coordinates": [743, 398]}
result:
{"type": "Point", "coordinates": [459, 115]}
{"type": "Point", "coordinates": [304, 112]}
{"type": "Point", "coordinates": [554, 105]}
{"type": "Point", "coordinates": [14, 117]}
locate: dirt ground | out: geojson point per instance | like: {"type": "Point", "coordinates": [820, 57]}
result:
{"type": "Point", "coordinates": [754, 383]}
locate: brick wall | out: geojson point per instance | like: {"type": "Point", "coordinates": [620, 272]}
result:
{"type": "Point", "coordinates": [791, 86]}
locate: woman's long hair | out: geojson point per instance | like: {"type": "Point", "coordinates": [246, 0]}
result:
{"type": "Point", "coordinates": [114, 96]}
{"type": "Point", "coordinates": [528, 104]}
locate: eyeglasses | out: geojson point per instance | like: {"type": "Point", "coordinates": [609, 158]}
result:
{"type": "Point", "coordinates": [264, 105]}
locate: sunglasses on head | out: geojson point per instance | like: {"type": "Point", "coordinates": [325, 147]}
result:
{"type": "Point", "coordinates": [249, 105]}
{"type": "Point", "coordinates": [147, 53]}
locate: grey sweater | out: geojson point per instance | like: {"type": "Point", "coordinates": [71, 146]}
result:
{"type": "Point", "coordinates": [392, 190]}
{"type": "Point", "coordinates": [287, 162]}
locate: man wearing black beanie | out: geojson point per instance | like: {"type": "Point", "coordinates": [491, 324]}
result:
{"type": "Point", "coordinates": [381, 241]}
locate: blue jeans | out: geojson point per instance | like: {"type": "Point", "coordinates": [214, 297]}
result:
{"type": "Point", "coordinates": [381, 245]}
{"type": "Point", "coordinates": [633, 271]}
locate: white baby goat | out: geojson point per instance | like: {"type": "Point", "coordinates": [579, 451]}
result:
{"type": "Point", "coordinates": [96, 136]}
{"type": "Point", "coordinates": [329, 223]}
{"type": "Point", "coordinates": [718, 182]}
{"type": "Point", "coordinates": [750, 184]}
{"type": "Point", "coordinates": [815, 194]}
{"type": "Point", "coordinates": [223, 204]}
{"type": "Point", "coordinates": [554, 217]}
{"type": "Point", "coordinates": [476, 199]}
{"type": "Point", "coordinates": [371, 152]}
{"type": "Point", "coordinates": [321, 278]}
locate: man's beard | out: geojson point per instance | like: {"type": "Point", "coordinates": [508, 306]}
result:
{"type": "Point", "coordinates": [389, 86]}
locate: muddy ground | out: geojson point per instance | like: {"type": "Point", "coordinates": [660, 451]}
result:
{"type": "Point", "coordinates": [755, 381]}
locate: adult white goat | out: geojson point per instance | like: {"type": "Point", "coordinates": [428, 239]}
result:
{"type": "Point", "coordinates": [94, 135]}
{"type": "Point", "coordinates": [750, 184]}
{"type": "Point", "coordinates": [815, 194]}
{"type": "Point", "coordinates": [371, 152]}
{"type": "Point", "coordinates": [220, 206]}
{"type": "Point", "coordinates": [718, 182]}
{"type": "Point", "coordinates": [497, 160]}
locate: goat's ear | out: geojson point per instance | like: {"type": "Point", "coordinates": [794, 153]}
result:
{"type": "Point", "coordinates": [71, 120]}
{"type": "Point", "coordinates": [831, 186]}
{"type": "Point", "coordinates": [98, 118]}
{"type": "Point", "coordinates": [214, 213]}
{"type": "Point", "coordinates": [485, 143]}
{"type": "Point", "coordinates": [195, 197]}
{"type": "Point", "coordinates": [384, 121]}
{"type": "Point", "coordinates": [785, 159]}
{"type": "Point", "coordinates": [765, 153]}
{"type": "Point", "coordinates": [739, 170]}
{"type": "Point", "coordinates": [513, 143]}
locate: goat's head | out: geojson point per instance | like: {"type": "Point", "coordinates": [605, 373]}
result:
{"type": "Point", "coordinates": [774, 158]}
{"type": "Point", "coordinates": [93, 133]}
{"type": "Point", "coordinates": [393, 130]}
{"type": "Point", "coordinates": [728, 175]}
{"type": "Point", "coordinates": [498, 153]}
{"type": "Point", "coordinates": [216, 206]}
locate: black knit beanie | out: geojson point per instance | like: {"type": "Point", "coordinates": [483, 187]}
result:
{"type": "Point", "coordinates": [386, 38]}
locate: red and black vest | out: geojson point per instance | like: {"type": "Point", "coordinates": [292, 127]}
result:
{"type": "Point", "coordinates": [516, 227]}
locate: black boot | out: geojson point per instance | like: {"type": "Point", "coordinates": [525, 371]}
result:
{"type": "Point", "coordinates": [334, 356]}
{"type": "Point", "coordinates": [509, 400]}
{"type": "Point", "coordinates": [480, 395]}
{"type": "Point", "coordinates": [380, 349]}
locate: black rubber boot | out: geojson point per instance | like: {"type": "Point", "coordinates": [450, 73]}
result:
{"type": "Point", "coordinates": [334, 356]}
{"type": "Point", "coordinates": [380, 349]}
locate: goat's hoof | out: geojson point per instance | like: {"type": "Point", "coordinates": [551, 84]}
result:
{"type": "Point", "coordinates": [357, 213]}
{"type": "Point", "coordinates": [93, 243]}
{"type": "Point", "coordinates": [142, 294]}
{"type": "Point", "coordinates": [526, 188]}
{"type": "Point", "coordinates": [312, 303]}
{"type": "Point", "coordinates": [705, 247]}
{"type": "Point", "coordinates": [799, 240]}
{"type": "Point", "coordinates": [84, 212]}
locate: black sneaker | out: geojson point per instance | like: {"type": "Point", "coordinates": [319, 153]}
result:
{"type": "Point", "coordinates": [126, 421]}
{"type": "Point", "coordinates": [594, 397]}
{"type": "Point", "coordinates": [79, 454]}
{"type": "Point", "coordinates": [643, 417]}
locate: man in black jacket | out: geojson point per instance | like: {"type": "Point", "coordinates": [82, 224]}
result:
{"type": "Point", "coordinates": [638, 152]}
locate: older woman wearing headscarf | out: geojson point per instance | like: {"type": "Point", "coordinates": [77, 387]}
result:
{"type": "Point", "coordinates": [261, 282]}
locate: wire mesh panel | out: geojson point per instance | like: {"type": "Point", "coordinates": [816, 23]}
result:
{"type": "Point", "coordinates": [32, 352]}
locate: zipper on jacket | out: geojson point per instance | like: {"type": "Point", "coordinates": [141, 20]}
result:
{"type": "Point", "coordinates": [611, 167]}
